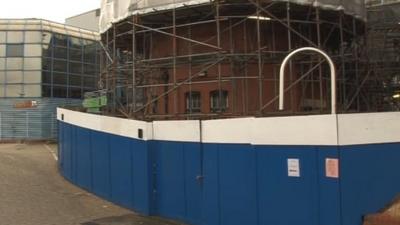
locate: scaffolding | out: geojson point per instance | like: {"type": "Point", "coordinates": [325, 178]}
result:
{"type": "Point", "coordinates": [151, 60]}
{"type": "Point", "coordinates": [383, 51]}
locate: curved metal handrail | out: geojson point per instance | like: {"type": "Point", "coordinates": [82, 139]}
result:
{"type": "Point", "coordinates": [282, 76]}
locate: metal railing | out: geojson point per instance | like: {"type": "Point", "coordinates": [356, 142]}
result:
{"type": "Point", "coordinates": [28, 125]}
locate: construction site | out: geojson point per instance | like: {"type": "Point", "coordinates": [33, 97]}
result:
{"type": "Point", "coordinates": [220, 59]}
{"type": "Point", "coordinates": [193, 123]}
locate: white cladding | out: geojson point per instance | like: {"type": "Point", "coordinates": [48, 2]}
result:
{"type": "Point", "coordinates": [113, 11]}
{"type": "Point", "coordinates": [320, 130]}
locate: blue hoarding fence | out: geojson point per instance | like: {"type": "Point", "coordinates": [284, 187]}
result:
{"type": "Point", "coordinates": [231, 184]}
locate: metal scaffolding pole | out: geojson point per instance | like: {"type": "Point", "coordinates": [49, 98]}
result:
{"type": "Point", "coordinates": [218, 26]}
{"type": "Point", "coordinates": [237, 67]}
{"type": "Point", "coordinates": [133, 108]}
{"type": "Point", "coordinates": [174, 52]}
{"type": "Point", "coordinates": [259, 62]}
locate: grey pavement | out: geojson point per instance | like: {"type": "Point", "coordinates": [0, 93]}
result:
{"type": "Point", "coordinates": [32, 192]}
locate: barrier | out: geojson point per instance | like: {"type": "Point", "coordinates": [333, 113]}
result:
{"type": "Point", "coordinates": [253, 171]}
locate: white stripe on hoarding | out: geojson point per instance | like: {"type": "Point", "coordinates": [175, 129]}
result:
{"type": "Point", "coordinates": [319, 130]}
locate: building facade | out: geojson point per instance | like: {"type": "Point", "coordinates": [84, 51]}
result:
{"type": "Point", "coordinates": [42, 65]}
{"type": "Point", "coordinates": [88, 20]}
{"type": "Point", "coordinates": [191, 59]}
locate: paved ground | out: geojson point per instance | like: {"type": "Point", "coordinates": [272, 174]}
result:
{"type": "Point", "coordinates": [33, 193]}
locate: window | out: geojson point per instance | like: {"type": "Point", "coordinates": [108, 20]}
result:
{"type": "Point", "coordinates": [193, 101]}
{"type": "Point", "coordinates": [75, 68]}
{"type": "Point", "coordinates": [46, 78]}
{"type": "Point", "coordinates": [75, 93]}
{"type": "Point", "coordinates": [60, 78]}
{"type": "Point", "coordinates": [89, 69]}
{"type": "Point", "coordinates": [60, 52]}
{"type": "Point", "coordinates": [15, 50]}
{"type": "Point", "coordinates": [60, 40]}
{"type": "Point", "coordinates": [75, 55]}
{"type": "Point", "coordinates": [60, 65]}
{"type": "Point", "coordinates": [46, 91]}
{"type": "Point", "coordinates": [75, 80]}
{"type": "Point", "coordinates": [89, 82]}
{"type": "Point", "coordinates": [59, 92]}
{"type": "Point", "coordinates": [215, 100]}
{"type": "Point", "coordinates": [47, 50]}
{"type": "Point", "coordinates": [46, 64]}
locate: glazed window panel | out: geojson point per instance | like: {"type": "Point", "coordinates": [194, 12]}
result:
{"type": "Point", "coordinates": [46, 91]}
{"type": "Point", "coordinates": [60, 65]}
{"type": "Point", "coordinates": [60, 40]}
{"type": "Point", "coordinates": [75, 68]}
{"type": "Point", "coordinates": [59, 91]}
{"type": "Point", "coordinates": [215, 99]}
{"type": "Point", "coordinates": [89, 69]}
{"type": "Point", "coordinates": [193, 101]}
{"type": "Point", "coordinates": [90, 51]}
{"type": "Point", "coordinates": [75, 42]}
{"type": "Point", "coordinates": [60, 79]}
{"type": "Point", "coordinates": [60, 53]}
{"type": "Point", "coordinates": [32, 50]}
{"type": "Point", "coordinates": [89, 82]}
{"type": "Point", "coordinates": [75, 55]}
{"type": "Point", "coordinates": [46, 64]}
{"type": "Point", "coordinates": [15, 50]}
{"type": "Point", "coordinates": [75, 93]}
{"type": "Point", "coordinates": [47, 50]}
{"type": "Point", "coordinates": [46, 77]}
{"type": "Point", "coordinates": [33, 63]}
{"type": "Point", "coordinates": [75, 80]}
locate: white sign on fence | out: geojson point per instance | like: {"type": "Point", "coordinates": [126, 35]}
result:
{"type": "Point", "coordinates": [293, 167]}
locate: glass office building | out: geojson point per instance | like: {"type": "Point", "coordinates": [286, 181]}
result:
{"type": "Point", "coordinates": [42, 65]}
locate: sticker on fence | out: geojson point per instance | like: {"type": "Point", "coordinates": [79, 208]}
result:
{"type": "Point", "coordinates": [293, 167]}
{"type": "Point", "coordinates": [332, 168]}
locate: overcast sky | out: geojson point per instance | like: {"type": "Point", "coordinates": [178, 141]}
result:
{"type": "Point", "coordinates": [54, 10]}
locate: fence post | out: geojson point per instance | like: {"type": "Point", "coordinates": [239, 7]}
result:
{"type": "Point", "coordinates": [1, 125]}
{"type": "Point", "coordinates": [27, 124]}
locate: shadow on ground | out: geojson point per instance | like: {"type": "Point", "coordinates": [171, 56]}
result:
{"type": "Point", "coordinates": [129, 219]}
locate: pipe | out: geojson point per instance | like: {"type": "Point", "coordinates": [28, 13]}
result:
{"type": "Point", "coordinates": [282, 76]}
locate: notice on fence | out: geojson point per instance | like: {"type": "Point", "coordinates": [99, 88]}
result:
{"type": "Point", "coordinates": [293, 167]}
{"type": "Point", "coordinates": [25, 104]}
{"type": "Point", "coordinates": [332, 168]}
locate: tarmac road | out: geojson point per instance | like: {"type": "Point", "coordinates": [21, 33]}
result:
{"type": "Point", "coordinates": [33, 193]}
